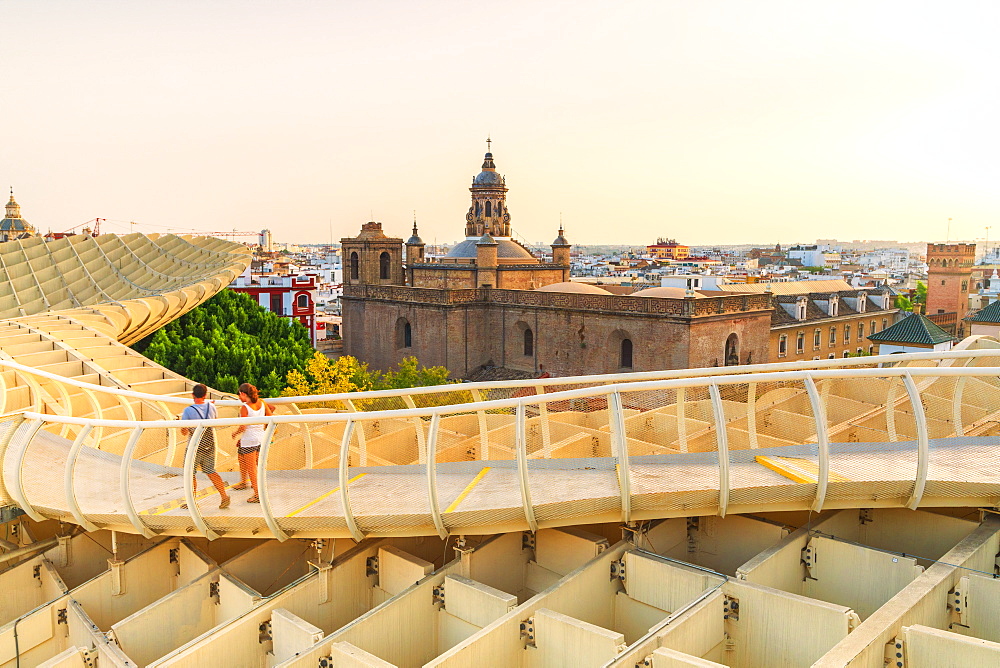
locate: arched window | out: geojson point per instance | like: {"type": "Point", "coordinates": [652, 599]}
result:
{"type": "Point", "coordinates": [383, 265]}
{"type": "Point", "coordinates": [873, 329]}
{"type": "Point", "coordinates": [885, 322]}
{"type": "Point", "coordinates": [847, 333]}
{"type": "Point", "coordinates": [489, 208]}
{"type": "Point", "coordinates": [354, 265]}
{"type": "Point", "coordinates": [529, 343]}
{"type": "Point", "coordinates": [861, 331]}
{"type": "Point", "coordinates": [625, 356]}
{"type": "Point", "coordinates": [732, 350]}
{"type": "Point", "coordinates": [478, 210]}
{"type": "Point", "coordinates": [833, 336]}
{"type": "Point", "coordinates": [817, 337]}
{"type": "Point", "coordinates": [302, 301]}
{"type": "Point", "coordinates": [800, 342]}
{"type": "Point", "coordinates": [404, 333]}
{"type": "Point", "coordinates": [783, 345]}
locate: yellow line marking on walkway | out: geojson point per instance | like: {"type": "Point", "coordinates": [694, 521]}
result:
{"type": "Point", "coordinates": [320, 498]}
{"type": "Point", "coordinates": [468, 488]}
{"type": "Point", "coordinates": [797, 470]}
{"type": "Point", "coordinates": [812, 468]}
{"type": "Point", "coordinates": [177, 503]}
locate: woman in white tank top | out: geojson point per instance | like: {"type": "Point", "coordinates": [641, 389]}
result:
{"type": "Point", "coordinates": [251, 437]}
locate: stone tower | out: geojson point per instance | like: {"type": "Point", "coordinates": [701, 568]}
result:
{"type": "Point", "coordinates": [949, 275]}
{"type": "Point", "coordinates": [488, 213]}
{"type": "Point", "coordinates": [371, 258]}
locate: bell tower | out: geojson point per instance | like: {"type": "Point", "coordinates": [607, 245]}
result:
{"type": "Point", "coordinates": [488, 213]}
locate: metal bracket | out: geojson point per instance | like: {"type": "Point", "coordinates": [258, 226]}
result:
{"type": "Point", "coordinates": [618, 569]}
{"type": "Point", "coordinates": [527, 541]}
{"type": "Point", "coordinates": [323, 568]}
{"type": "Point", "coordinates": [175, 555]}
{"type": "Point", "coordinates": [645, 663]}
{"type": "Point", "coordinates": [38, 575]}
{"type": "Point", "coordinates": [325, 662]}
{"type": "Point", "coordinates": [117, 576]}
{"type": "Point", "coordinates": [865, 516]}
{"type": "Point", "coordinates": [371, 566]}
{"type": "Point", "coordinates": [809, 558]}
{"type": "Point", "coordinates": [213, 591]}
{"type": "Point", "coordinates": [731, 608]}
{"type": "Point", "coordinates": [63, 553]}
{"type": "Point", "coordinates": [61, 617]}
{"type": "Point", "coordinates": [958, 601]}
{"type": "Point", "coordinates": [894, 655]}
{"type": "Point", "coordinates": [264, 632]}
{"type": "Point", "coordinates": [528, 632]}
{"type": "Point", "coordinates": [437, 595]}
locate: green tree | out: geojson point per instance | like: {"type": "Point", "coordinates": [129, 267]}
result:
{"type": "Point", "coordinates": [228, 340]}
{"type": "Point", "coordinates": [346, 374]}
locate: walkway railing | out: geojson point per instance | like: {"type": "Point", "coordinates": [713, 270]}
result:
{"type": "Point", "coordinates": [631, 450]}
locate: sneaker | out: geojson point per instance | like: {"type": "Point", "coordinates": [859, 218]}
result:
{"type": "Point", "coordinates": [224, 504]}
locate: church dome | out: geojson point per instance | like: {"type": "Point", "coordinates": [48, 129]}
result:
{"type": "Point", "coordinates": [664, 292]}
{"type": "Point", "coordinates": [489, 176]}
{"type": "Point", "coordinates": [12, 221]}
{"type": "Point", "coordinates": [506, 249]}
{"type": "Point", "coordinates": [578, 288]}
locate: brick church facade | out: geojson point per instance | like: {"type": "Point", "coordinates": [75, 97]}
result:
{"type": "Point", "coordinates": [489, 305]}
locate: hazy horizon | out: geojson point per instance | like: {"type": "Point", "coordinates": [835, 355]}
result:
{"type": "Point", "coordinates": [712, 123]}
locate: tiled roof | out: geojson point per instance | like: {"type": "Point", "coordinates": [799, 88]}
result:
{"type": "Point", "coordinates": [989, 313]}
{"type": "Point", "coordinates": [915, 328]}
{"type": "Point", "coordinates": [790, 287]}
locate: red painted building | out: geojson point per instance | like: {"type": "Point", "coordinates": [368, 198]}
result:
{"type": "Point", "coordinates": [288, 296]}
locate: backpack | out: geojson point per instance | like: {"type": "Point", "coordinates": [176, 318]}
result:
{"type": "Point", "coordinates": [207, 443]}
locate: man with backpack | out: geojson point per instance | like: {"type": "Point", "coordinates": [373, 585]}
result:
{"type": "Point", "coordinates": [204, 458]}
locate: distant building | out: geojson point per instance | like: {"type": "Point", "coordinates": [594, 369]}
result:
{"type": "Point", "coordinates": [13, 226]}
{"type": "Point", "coordinates": [292, 297]}
{"type": "Point", "coordinates": [915, 333]}
{"type": "Point", "coordinates": [668, 249]}
{"type": "Point", "coordinates": [823, 319]}
{"type": "Point", "coordinates": [814, 256]}
{"type": "Point", "coordinates": [949, 281]}
{"type": "Point", "coordinates": [265, 241]}
{"type": "Point", "coordinates": [490, 309]}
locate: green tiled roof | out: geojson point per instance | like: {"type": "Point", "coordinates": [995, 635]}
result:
{"type": "Point", "coordinates": [915, 328]}
{"type": "Point", "coordinates": [989, 313]}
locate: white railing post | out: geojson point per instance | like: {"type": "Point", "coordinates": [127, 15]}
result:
{"type": "Point", "coordinates": [345, 497]}
{"type": "Point", "coordinates": [16, 489]}
{"type": "Point", "coordinates": [69, 483]}
{"type": "Point", "coordinates": [126, 486]}
{"type": "Point", "coordinates": [192, 504]}
{"type": "Point", "coordinates": [362, 443]}
{"type": "Point", "coordinates": [890, 410]}
{"type": "Point", "coordinates": [307, 440]}
{"type": "Point", "coordinates": [263, 491]}
{"type": "Point", "coordinates": [419, 426]}
{"type": "Point", "coordinates": [432, 494]}
{"type": "Point", "coordinates": [822, 443]}
{"type": "Point", "coordinates": [543, 418]}
{"type": "Point", "coordinates": [521, 450]}
{"type": "Point", "coordinates": [923, 445]}
{"type": "Point", "coordinates": [484, 437]}
{"type": "Point", "coordinates": [681, 413]}
{"type": "Point", "coordinates": [956, 403]}
{"type": "Point", "coordinates": [619, 445]}
{"type": "Point", "coordinates": [722, 441]}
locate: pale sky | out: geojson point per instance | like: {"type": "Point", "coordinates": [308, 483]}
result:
{"type": "Point", "coordinates": [708, 121]}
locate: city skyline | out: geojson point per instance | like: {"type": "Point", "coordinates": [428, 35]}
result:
{"type": "Point", "coordinates": [714, 124]}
